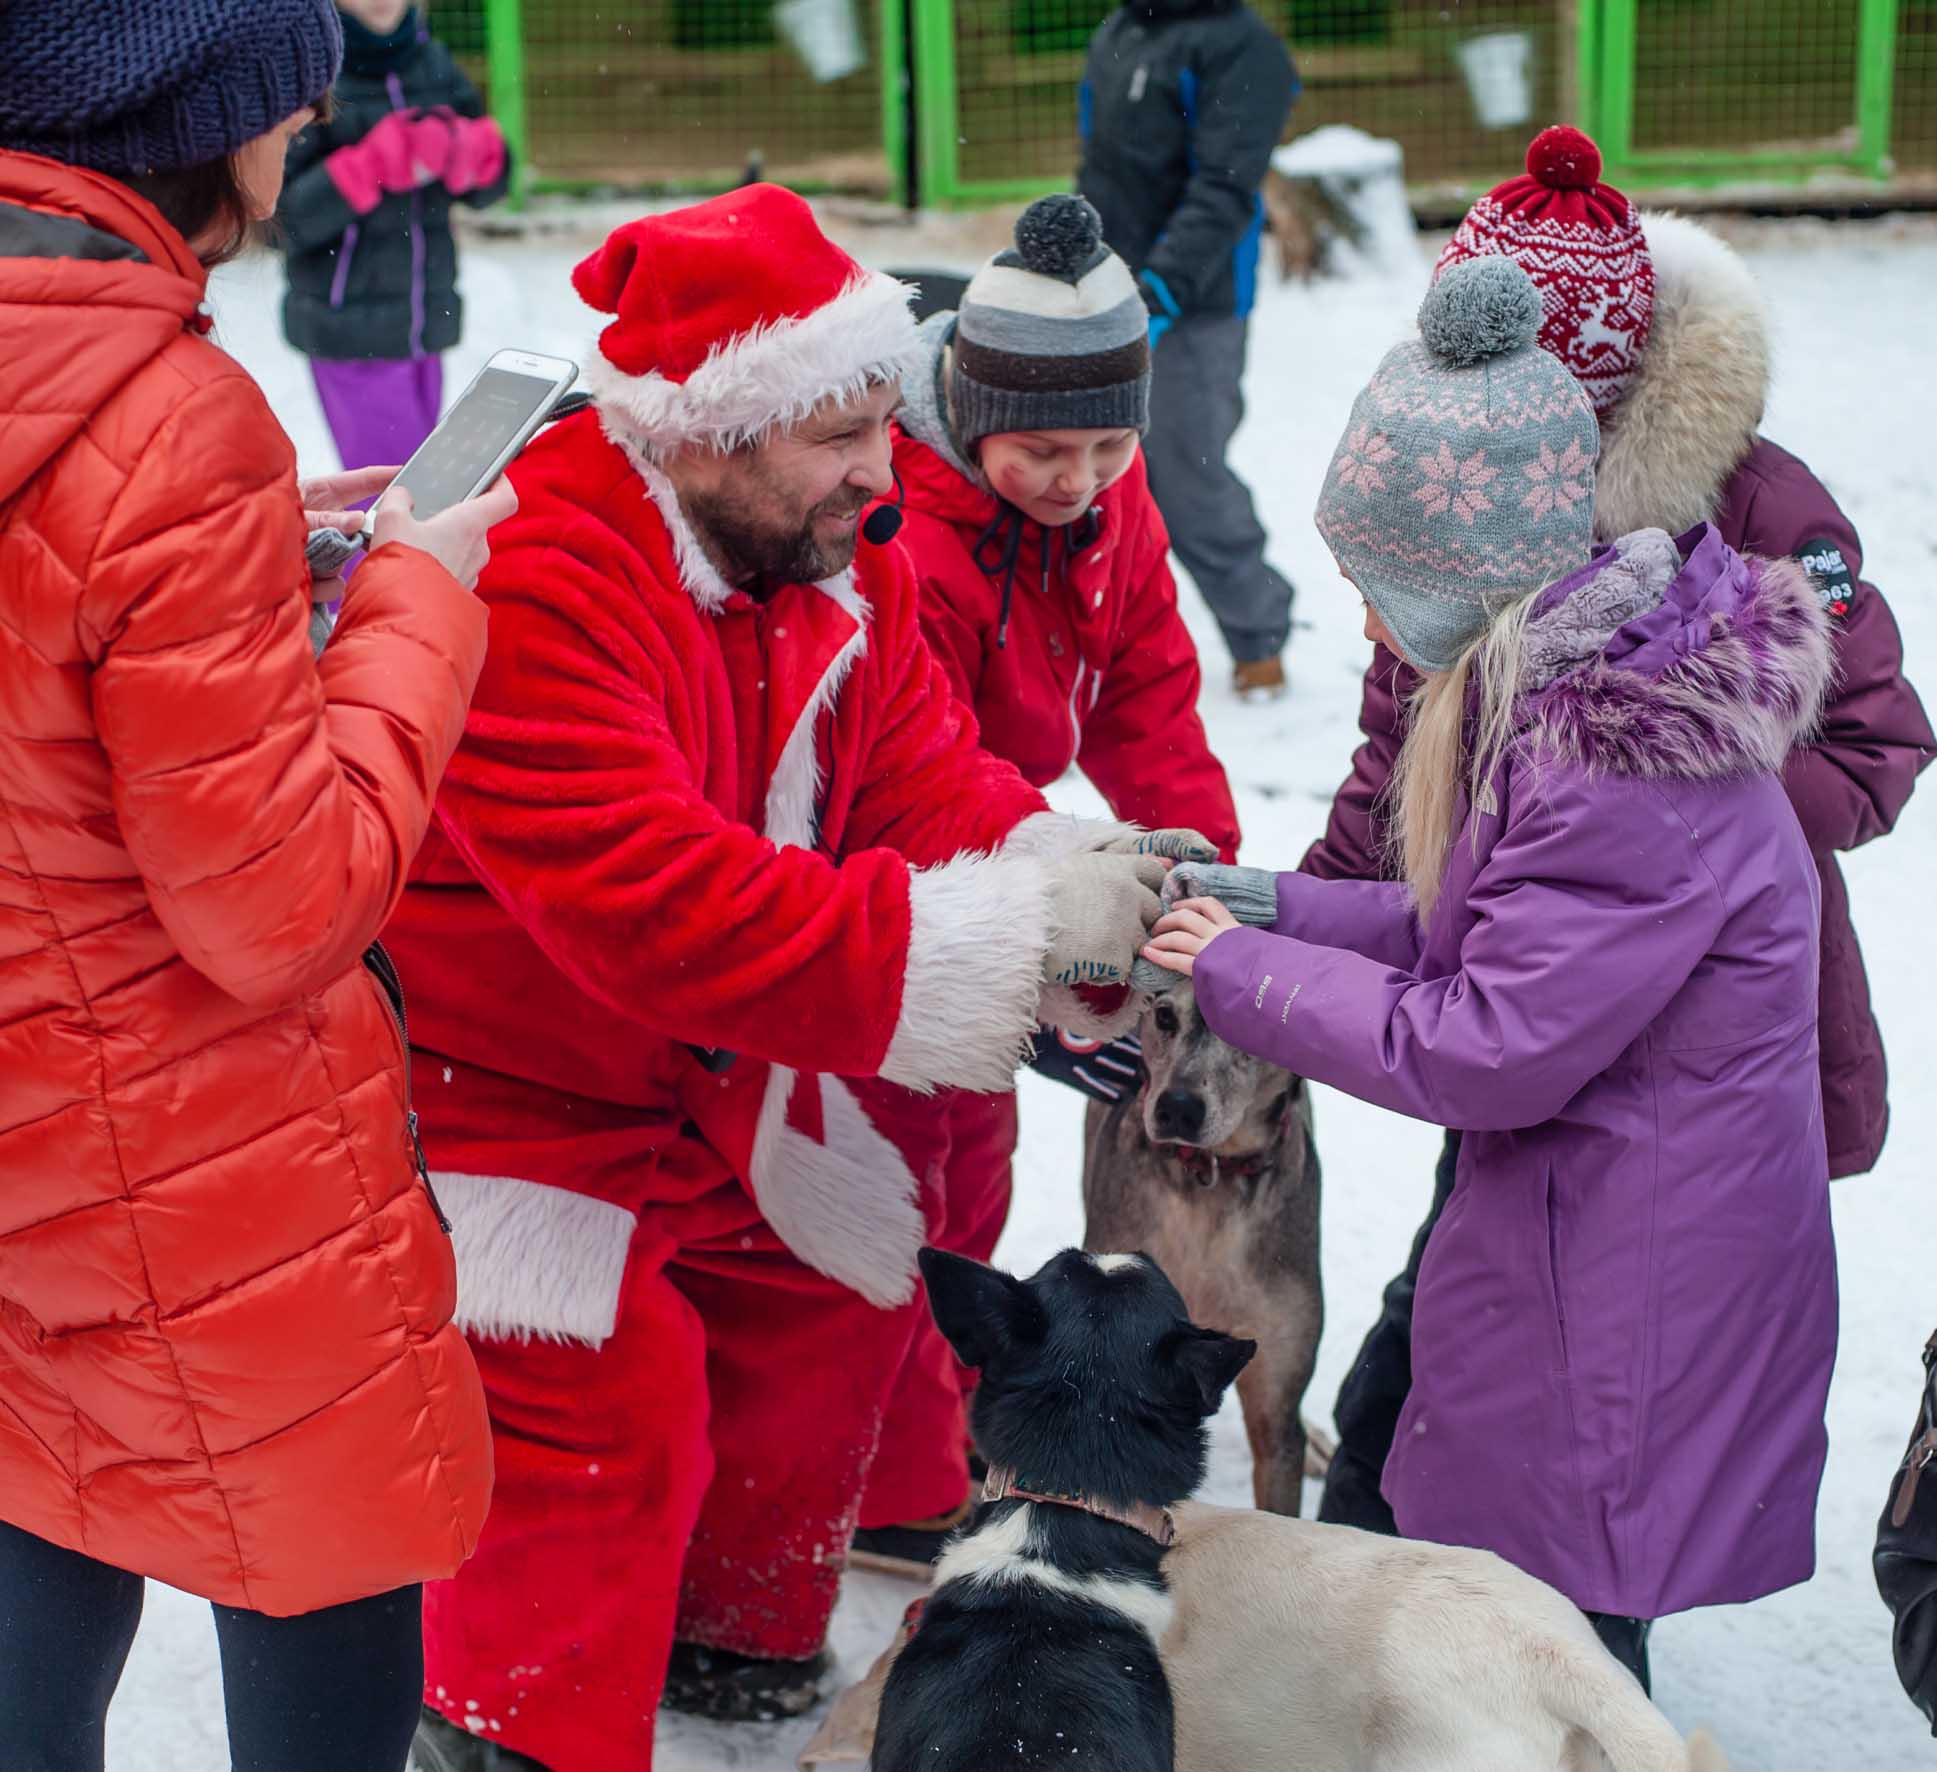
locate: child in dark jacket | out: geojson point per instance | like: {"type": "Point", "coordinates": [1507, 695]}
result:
{"type": "Point", "coordinates": [1182, 103]}
{"type": "Point", "coordinates": [1662, 325]}
{"type": "Point", "coordinates": [372, 298]}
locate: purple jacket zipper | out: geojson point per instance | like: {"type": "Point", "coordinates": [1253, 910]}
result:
{"type": "Point", "coordinates": [344, 253]}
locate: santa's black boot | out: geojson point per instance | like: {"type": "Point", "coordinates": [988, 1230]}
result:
{"type": "Point", "coordinates": [441, 1746]}
{"type": "Point", "coordinates": [729, 1688]}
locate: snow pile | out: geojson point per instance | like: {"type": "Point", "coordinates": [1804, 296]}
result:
{"type": "Point", "coordinates": [1796, 1683]}
{"type": "Point", "coordinates": [1363, 181]}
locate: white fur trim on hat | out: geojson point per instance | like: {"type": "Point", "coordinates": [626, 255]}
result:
{"type": "Point", "coordinates": [771, 376]}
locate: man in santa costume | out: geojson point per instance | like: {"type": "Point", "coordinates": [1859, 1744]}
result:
{"type": "Point", "coordinates": [718, 860]}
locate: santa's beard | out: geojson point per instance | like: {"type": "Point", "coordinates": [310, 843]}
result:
{"type": "Point", "coordinates": [739, 521]}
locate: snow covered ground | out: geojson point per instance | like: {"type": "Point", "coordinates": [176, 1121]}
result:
{"type": "Point", "coordinates": [1797, 1683]}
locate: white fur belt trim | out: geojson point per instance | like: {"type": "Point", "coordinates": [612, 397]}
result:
{"type": "Point", "coordinates": [535, 1260]}
{"type": "Point", "coordinates": [846, 1203]}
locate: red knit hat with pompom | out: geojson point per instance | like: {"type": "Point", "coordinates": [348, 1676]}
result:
{"type": "Point", "coordinates": [1581, 243]}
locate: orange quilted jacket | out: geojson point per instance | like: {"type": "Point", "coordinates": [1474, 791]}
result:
{"type": "Point", "coordinates": [226, 1358]}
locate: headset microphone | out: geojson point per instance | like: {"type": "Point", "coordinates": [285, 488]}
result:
{"type": "Point", "coordinates": [884, 524]}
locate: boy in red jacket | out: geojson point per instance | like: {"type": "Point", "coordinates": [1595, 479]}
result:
{"type": "Point", "coordinates": [1046, 596]}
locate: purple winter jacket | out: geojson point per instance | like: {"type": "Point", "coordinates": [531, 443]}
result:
{"type": "Point", "coordinates": [1626, 1319]}
{"type": "Point", "coordinates": [1848, 785]}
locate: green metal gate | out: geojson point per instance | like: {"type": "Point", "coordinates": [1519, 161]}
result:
{"type": "Point", "coordinates": [1706, 92]}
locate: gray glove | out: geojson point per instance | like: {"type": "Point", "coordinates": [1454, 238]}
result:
{"type": "Point", "coordinates": [1101, 906]}
{"type": "Point", "coordinates": [1176, 843]}
{"type": "Point", "coordinates": [1249, 894]}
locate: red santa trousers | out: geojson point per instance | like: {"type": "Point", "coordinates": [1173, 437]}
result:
{"type": "Point", "coordinates": [921, 1468]}
{"type": "Point", "coordinates": [697, 1475]}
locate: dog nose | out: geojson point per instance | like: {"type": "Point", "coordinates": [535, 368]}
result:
{"type": "Point", "coordinates": [1180, 1115]}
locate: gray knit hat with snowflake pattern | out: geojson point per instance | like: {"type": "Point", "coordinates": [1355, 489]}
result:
{"type": "Point", "coordinates": [1465, 478]}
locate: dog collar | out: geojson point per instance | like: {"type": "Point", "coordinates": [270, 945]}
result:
{"type": "Point", "coordinates": [1155, 1523]}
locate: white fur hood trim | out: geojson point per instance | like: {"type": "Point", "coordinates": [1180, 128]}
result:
{"type": "Point", "coordinates": [1691, 414]}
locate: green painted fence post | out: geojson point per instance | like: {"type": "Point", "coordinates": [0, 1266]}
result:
{"type": "Point", "coordinates": [1876, 72]}
{"type": "Point", "coordinates": [936, 118]}
{"type": "Point", "coordinates": [1614, 85]}
{"type": "Point", "coordinates": [504, 62]}
{"type": "Point", "coordinates": [895, 98]}
{"type": "Point", "coordinates": [1586, 93]}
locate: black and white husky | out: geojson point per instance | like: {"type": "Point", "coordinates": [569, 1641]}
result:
{"type": "Point", "coordinates": [1038, 1645]}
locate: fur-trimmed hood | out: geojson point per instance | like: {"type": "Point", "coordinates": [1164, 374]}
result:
{"type": "Point", "coordinates": [1692, 411]}
{"type": "Point", "coordinates": [1669, 660]}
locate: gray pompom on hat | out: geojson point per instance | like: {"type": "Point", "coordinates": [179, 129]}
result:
{"type": "Point", "coordinates": [1052, 334]}
{"type": "Point", "coordinates": [1465, 478]}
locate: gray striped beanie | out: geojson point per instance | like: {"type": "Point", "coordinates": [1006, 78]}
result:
{"type": "Point", "coordinates": [1465, 478]}
{"type": "Point", "coordinates": [1052, 334]}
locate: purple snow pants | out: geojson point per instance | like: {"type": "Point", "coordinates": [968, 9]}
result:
{"type": "Point", "coordinates": [379, 408]}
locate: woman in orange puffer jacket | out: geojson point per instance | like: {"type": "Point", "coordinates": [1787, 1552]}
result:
{"type": "Point", "coordinates": [226, 1359]}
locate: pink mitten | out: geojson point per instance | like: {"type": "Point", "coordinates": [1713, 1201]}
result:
{"type": "Point", "coordinates": [381, 162]}
{"type": "Point", "coordinates": [433, 143]}
{"type": "Point", "coordinates": [477, 156]}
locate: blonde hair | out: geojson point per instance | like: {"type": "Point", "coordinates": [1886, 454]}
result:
{"type": "Point", "coordinates": [1436, 761]}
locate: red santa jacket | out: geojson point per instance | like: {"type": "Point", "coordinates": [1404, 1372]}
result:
{"type": "Point", "coordinates": [1098, 669]}
{"type": "Point", "coordinates": [683, 819]}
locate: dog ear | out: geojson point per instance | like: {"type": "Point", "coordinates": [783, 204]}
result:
{"type": "Point", "coordinates": [980, 1310]}
{"type": "Point", "coordinates": [1205, 1361]}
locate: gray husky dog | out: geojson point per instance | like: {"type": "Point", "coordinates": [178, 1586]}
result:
{"type": "Point", "coordinates": [1212, 1172]}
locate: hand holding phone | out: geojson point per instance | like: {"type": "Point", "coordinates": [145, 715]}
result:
{"type": "Point", "coordinates": [494, 418]}
{"type": "Point", "coordinates": [457, 538]}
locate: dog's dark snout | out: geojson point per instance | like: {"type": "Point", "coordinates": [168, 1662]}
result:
{"type": "Point", "coordinates": [1180, 1114]}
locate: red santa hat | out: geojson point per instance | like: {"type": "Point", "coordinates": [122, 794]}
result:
{"type": "Point", "coordinates": [734, 317]}
{"type": "Point", "coordinates": [1581, 243]}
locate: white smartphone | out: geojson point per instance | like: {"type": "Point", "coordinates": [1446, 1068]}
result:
{"type": "Point", "coordinates": [490, 422]}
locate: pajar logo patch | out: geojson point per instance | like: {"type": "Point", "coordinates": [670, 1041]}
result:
{"type": "Point", "coordinates": [1823, 560]}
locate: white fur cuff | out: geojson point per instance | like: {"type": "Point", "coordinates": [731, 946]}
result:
{"type": "Point", "coordinates": [978, 929]}
{"type": "Point", "coordinates": [1049, 836]}
{"type": "Point", "coordinates": [534, 1260]}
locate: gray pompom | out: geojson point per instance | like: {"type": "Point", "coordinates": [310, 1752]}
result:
{"type": "Point", "coordinates": [1480, 308]}
{"type": "Point", "coordinates": [1058, 236]}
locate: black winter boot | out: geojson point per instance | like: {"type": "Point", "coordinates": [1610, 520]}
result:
{"type": "Point", "coordinates": [729, 1688]}
{"type": "Point", "coordinates": [1376, 1388]}
{"type": "Point", "coordinates": [441, 1746]}
{"type": "Point", "coordinates": [1626, 1639]}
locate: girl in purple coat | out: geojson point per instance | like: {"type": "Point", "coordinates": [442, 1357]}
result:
{"type": "Point", "coordinates": [1664, 327]}
{"type": "Point", "coordinates": [1601, 966]}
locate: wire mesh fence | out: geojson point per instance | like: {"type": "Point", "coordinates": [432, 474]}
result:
{"type": "Point", "coordinates": [692, 94]}
{"type": "Point", "coordinates": [1458, 86]}
{"type": "Point", "coordinates": [1913, 120]}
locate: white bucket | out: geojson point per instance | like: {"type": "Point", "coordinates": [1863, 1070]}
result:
{"type": "Point", "coordinates": [825, 34]}
{"type": "Point", "coordinates": [1499, 74]}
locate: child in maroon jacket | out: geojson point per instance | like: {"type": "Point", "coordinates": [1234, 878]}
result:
{"type": "Point", "coordinates": [1046, 594]}
{"type": "Point", "coordinates": [1664, 328]}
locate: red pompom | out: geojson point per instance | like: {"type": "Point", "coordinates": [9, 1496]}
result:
{"type": "Point", "coordinates": [1563, 159]}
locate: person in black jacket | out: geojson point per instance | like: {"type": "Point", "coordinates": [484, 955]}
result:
{"type": "Point", "coordinates": [1183, 102]}
{"type": "Point", "coordinates": [372, 298]}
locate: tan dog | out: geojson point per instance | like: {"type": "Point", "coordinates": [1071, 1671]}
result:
{"type": "Point", "coordinates": [1307, 1648]}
